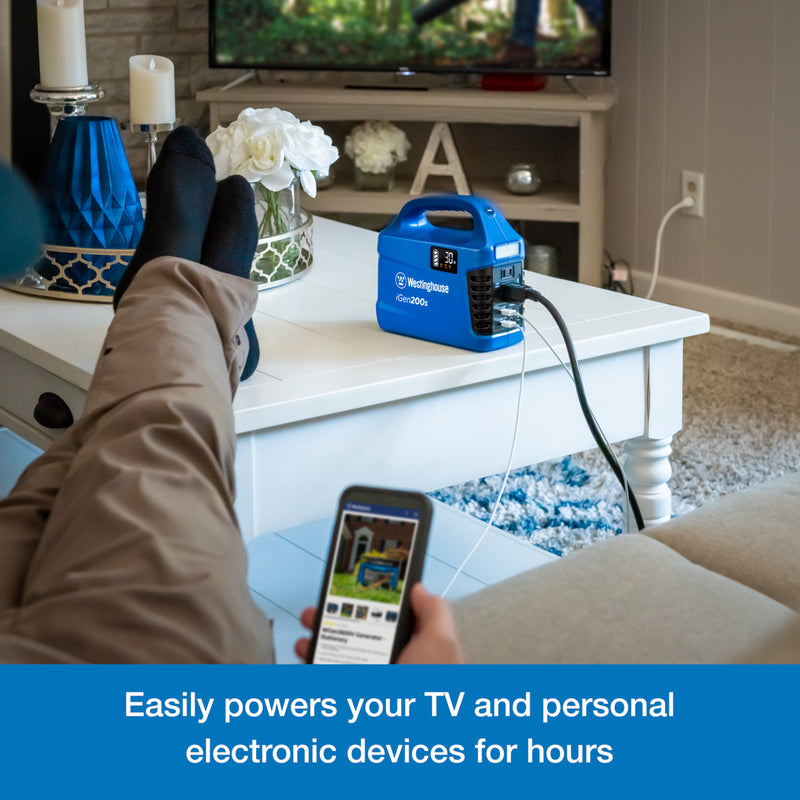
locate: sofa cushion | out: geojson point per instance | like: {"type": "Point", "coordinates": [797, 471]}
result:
{"type": "Point", "coordinates": [627, 600]}
{"type": "Point", "coordinates": [781, 648]}
{"type": "Point", "coordinates": [751, 536]}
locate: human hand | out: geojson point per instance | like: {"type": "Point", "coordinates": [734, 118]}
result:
{"type": "Point", "coordinates": [434, 640]}
{"type": "Point", "coordinates": [307, 618]}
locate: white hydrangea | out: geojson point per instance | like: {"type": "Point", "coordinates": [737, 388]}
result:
{"type": "Point", "coordinates": [376, 146]}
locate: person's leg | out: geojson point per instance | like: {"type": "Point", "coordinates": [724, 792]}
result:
{"type": "Point", "coordinates": [520, 49]}
{"type": "Point", "coordinates": [525, 23]}
{"type": "Point", "coordinates": [182, 190]}
{"type": "Point", "coordinates": [594, 10]}
{"type": "Point", "coordinates": [186, 166]}
{"type": "Point", "coordinates": [233, 200]}
{"type": "Point", "coordinates": [24, 512]}
{"type": "Point", "coordinates": [141, 558]}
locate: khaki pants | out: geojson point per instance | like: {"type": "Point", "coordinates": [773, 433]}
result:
{"type": "Point", "coordinates": [120, 543]}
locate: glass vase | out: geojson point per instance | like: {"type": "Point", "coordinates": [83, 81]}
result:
{"type": "Point", "coordinates": [374, 181]}
{"type": "Point", "coordinates": [285, 236]}
{"type": "Point", "coordinates": [277, 212]}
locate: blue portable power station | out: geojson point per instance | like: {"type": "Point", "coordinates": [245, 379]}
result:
{"type": "Point", "coordinates": [439, 282]}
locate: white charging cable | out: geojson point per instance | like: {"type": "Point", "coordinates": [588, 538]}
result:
{"type": "Point", "coordinates": [687, 202]}
{"type": "Point", "coordinates": [508, 466]}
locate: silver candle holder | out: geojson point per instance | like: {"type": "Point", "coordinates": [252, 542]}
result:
{"type": "Point", "coordinates": [68, 101]}
{"type": "Point", "coordinates": [150, 131]}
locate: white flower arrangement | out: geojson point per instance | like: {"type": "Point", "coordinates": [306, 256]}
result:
{"type": "Point", "coordinates": [376, 146]}
{"type": "Point", "coordinates": [271, 146]}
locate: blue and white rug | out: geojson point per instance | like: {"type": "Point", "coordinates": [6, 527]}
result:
{"type": "Point", "coordinates": [741, 428]}
{"type": "Point", "coordinates": [559, 506]}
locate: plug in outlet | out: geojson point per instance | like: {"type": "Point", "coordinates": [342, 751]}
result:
{"type": "Point", "coordinates": [692, 186]}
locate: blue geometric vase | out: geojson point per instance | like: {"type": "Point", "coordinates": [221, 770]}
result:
{"type": "Point", "coordinates": [93, 216]}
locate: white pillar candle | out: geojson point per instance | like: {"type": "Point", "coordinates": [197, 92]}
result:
{"type": "Point", "coordinates": [152, 90]}
{"type": "Point", "coordinates": [62, 44]}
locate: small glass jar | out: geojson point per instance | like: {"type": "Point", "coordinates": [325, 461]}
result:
{"type": "Point", "coordinates": [374, 181]}
{"type": "Point", "coordinates": [543, 258]}
{"type": "Point", "coordinates": [523, 179]}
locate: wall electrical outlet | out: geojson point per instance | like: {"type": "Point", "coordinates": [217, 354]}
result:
{"type": "Point", "coordinates": [692, 186]}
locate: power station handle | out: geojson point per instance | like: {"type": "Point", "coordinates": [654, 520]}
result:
{"type": "Point", "coordinates": [414, 213]}
{"type": "Point", "coordinates": [51, 411]}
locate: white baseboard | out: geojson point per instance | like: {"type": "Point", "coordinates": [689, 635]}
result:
{"type": "Point", "coordinates": [723, 304]}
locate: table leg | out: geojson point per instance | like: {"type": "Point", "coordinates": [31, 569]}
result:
{"type": "Point", "coordinates": [648, 469]}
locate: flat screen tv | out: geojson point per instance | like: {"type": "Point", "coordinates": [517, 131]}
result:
{"type": "Point", "coordinates": [543, 37]}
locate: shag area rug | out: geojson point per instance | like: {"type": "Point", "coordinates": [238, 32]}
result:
{"type": "Point", "coordinates": [741, 428]}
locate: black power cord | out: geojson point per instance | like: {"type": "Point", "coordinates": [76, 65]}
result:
{"type": "Point", "coordinates": [517, 293]}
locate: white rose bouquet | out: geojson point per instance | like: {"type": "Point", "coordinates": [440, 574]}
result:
{"type": "Point", "coordinates": [376, 146]}
{"type": "Point", "coordinates": [270, 148]}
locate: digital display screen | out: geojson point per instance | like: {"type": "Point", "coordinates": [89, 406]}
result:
{"type": "Point", "coordinates": [444, 259]}
{"type": "Point", "coordinates": [366, 587]}
{"type": "Point", "coordinates": [564, 37]}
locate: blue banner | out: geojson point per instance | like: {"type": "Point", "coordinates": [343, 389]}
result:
{"type": "Point", "coordinates": [622, 731]}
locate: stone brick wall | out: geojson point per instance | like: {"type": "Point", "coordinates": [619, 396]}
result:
{"type": "Point", "coordinates": [177, 29]}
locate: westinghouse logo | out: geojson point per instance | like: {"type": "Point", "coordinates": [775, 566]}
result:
{"type": "Point", "coordinates": [401, 281]}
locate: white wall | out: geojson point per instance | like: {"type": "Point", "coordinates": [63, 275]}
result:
{"type": "Point", "coordinates": [711, 86]}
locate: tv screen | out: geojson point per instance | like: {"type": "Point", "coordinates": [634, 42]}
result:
{"type": "Point", "coordinates": [549, 37]}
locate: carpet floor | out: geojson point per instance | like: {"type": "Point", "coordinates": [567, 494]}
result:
{"type": "Point", "coordinates": [741, 428]}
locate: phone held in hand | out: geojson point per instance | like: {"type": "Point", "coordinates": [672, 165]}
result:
{"type": "Point", "coordinates": [376, 555]}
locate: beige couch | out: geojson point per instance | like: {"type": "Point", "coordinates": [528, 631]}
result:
{"type": "Point", "coordinates": [717, 585]}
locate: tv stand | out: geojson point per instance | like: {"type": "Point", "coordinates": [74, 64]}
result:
{"type": "Point", "coordinates": [560, 131]}
{"type": "Point", "coordinates": [382, 87]}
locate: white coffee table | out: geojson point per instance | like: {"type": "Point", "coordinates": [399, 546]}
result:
{"type": "Point", "coordinates": [336, 401]}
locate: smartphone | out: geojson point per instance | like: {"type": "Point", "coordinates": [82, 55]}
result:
{"type": "Point", "coordinates": [376, 555]}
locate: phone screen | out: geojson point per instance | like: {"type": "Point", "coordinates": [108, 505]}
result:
{"type": "Point", "coordinates": [375, 557]}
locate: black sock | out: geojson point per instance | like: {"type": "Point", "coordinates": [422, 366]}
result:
{"type": "Point", "coordinates": [230, 242]}
{"type": "Point", "coordinates": [180, 193]}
